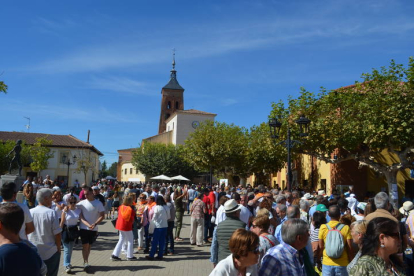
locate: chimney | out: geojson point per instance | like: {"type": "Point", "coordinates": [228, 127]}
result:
{"type": "Point", "coordinates": [89, 133]}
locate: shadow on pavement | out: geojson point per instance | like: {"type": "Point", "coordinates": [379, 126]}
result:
{"type": "Point", "coordinates": [131, 268]}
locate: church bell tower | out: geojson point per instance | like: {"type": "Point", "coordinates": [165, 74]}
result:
{"type": "Point", "coordinates": [172, 98]}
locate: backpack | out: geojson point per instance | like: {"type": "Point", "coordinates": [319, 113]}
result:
{"type": "Point", "coordinates": [334, 243]}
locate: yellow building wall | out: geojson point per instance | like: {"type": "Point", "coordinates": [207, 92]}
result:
{"type": "Point", "coordinates": [125, 177]}
{"type": "Point", "coordinates": [376, 182]}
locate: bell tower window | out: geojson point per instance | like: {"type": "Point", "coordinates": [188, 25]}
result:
{"type": "Point", "coordinates": [169, 105]}
{"type": "Point", "coordinates": [176, 105]}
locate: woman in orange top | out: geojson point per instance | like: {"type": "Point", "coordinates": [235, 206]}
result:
{"type": "Point", "coordinates": [126, 216]}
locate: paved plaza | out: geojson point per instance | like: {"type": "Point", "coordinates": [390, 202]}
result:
{"type": "Point", "coordinates": [188, 260]}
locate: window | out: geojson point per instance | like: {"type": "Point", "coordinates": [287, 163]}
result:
{"type": "Point", "coordinates": [176, 105]}
{"type": "Point", "coordinates": [169, 105]}
{"type": "Point", "coordinates": [130, 171]}
{"type": "Point", "coordinates": [136, 171]}
{"type": "Point", "coordinates": [62, 156]}
{"type": "Point", "coordinates": [126, 171]}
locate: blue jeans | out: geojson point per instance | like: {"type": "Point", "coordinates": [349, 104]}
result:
{"type": "Point", "coordinates": [52, 264]}
{"type": "Point", "coordinates": [158, 239]}
{"type": "Point", "coordinates": [190, 201]}
{"type": "Point", "coordinates": [332, 270]}
{"type": "Point", "coordinates": [170, 238]}
{"type": "Point", "coordinates": [147, 237]}
{"type": "Point", "coordinates": [67, 252]}
{"type": "Point", "coordinates": [207, 226]}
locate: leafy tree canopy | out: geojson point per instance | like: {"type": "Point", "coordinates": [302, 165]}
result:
{"type": "Point", "coordinates": [231, 150]}
{"type": "Point", "coordinates": [112, 170]}
{"type": "Point", "coordinates": [153, 159]}
{"type": "Point", "coordinates": [361, 120]}
{"type": "Point", "coordinates": [3, 87]}
{"type": "Point", "coordinates": [40, 154]}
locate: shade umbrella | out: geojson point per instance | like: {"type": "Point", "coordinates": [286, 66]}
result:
{"type": "Point", "coordinates": [180, 177]}
{"type": "Point", "coordinates": [110, 178]}
{"type": "Point", "coordinates": [161, 177]}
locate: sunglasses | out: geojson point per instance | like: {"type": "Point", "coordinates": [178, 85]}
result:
{"type": "Point", "coordinates": [254, 225]}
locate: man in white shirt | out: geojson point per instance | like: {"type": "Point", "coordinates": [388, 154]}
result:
{"type": "Point", "coordinates": [9, 193]}
{"type": "Point", "coordinates": [92, 213]}
{"type": "Point", "coordinates": [46, 236]}
{"type": "Point", "coordinates": [191, 196]}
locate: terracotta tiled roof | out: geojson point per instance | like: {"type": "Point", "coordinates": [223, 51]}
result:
{"type": "Point", "coordinates": [194, 111]}
{"type": "Point", "coordinates": [130, 149]}
{"type": "Point", "coordinates": [64, 141]}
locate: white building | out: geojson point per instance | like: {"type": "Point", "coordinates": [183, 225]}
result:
{"type": "Point", "coordinates": [175, 125]}
{"type": "Point", "coordinates": [63, 146]}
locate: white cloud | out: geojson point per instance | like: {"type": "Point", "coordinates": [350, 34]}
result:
{"type": "Point", "coordinates": [119, 84]}
{"type": "Point", "coordinates": [228, 102]}
{"type": "Point", "coordinates": [73, 113]}
{"type": "Point", "coordinates": [311, 22]}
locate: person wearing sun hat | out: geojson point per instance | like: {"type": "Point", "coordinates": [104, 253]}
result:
{"type": "Point", "coordinates": [407, 211]}
{"type": "Point", "coordinates": [221, 236]}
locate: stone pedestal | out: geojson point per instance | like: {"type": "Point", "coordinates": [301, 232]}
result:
{"type": "Point", "coordinates": [18, 180]}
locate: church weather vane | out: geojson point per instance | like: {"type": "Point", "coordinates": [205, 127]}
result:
{"type": "Point", "coordinates": [173, 63]}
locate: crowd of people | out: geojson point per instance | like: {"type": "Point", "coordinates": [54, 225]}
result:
{"type": "Point", "coordinates": [250, 231]}
{"type": "Point", "coordinates": [272, 232]}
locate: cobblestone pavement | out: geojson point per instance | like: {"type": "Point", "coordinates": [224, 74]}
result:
{"type": "Point", "coordinates": [188, 260]}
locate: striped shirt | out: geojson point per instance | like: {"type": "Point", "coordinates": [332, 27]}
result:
{"type": "Point", "coordinates": [282, 259]}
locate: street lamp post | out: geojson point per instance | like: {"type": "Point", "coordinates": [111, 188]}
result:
{"type": "Point", "coordinates": [275, 126]}
{"type": "Point", "coordinates": [66, 160]}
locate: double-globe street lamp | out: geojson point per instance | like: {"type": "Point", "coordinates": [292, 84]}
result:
{"type": "Point", "coordinates": [66, 160]}
{"type": "Point", "coordinates": [275, 126]}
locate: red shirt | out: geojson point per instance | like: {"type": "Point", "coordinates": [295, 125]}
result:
{"type": "Point", "coordinates": [212, 198]}
{"type": "Point", "coordinates": [207, 202]}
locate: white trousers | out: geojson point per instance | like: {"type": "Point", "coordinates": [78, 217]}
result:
{"type": "Point", "coordinates": [197, 229]}
{"type": "Point", "coordinates": [128, 238]}
{"type": "Point", "coordinates": [141, 234]}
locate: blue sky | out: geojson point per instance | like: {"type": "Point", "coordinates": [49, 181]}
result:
{"type": "Point", "coordinates": [100, 65]}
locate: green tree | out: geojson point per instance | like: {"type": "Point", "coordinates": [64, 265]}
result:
{"type": "Point", "coordinates": [153, 159]}
{"type": "Point", "coordinates": [3, 87]}
{"type": "Point", "coordinates": [362, 121]}
{"type": "Point", "coordinates": [85, 163]}
{"type": "Point", "coordinates": [40, 154]}
{"type": "Point", "coordinates": [219, 147]}
{"type": "Point", "coordinates": [104, 168]}
{"type": "Point", "coordinates": [264, 155]}
{"type": "Point", "coordinates": [112, 170]}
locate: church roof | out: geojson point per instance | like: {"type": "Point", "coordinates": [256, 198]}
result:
{"type": "Point", "coordinates": [194, 111]}
{"type": "Point", "coordinates": [173, 83]}
{"type": "Point", "coordinates": [62, 141]}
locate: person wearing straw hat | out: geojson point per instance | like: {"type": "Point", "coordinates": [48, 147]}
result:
{"type": "Point", "coordinates": [407, 211]}
{"type": "Point", "coordinates": [221, 236]}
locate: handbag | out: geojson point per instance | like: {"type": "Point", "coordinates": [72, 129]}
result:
{"type": "Point", "coordinates": [70, 233]}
